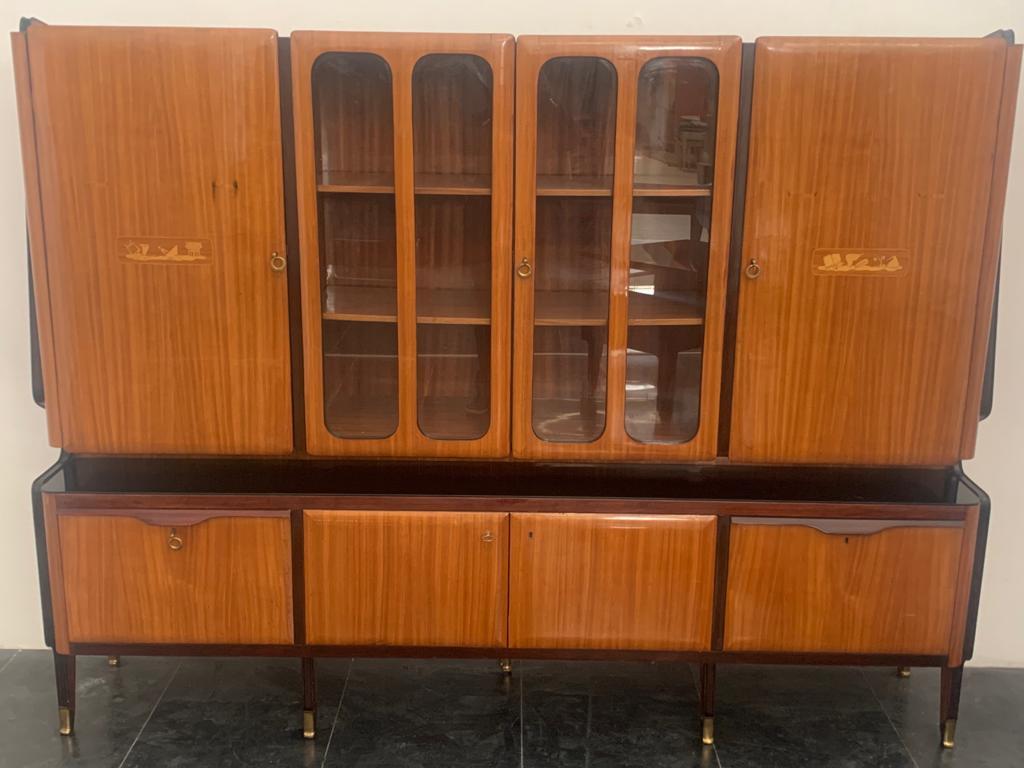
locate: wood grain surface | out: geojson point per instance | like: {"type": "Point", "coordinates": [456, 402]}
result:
{"type": "Point", "coordinates": [611, 581]}
{"type": "Point", "coordinates": [230, 581]}
{"type": "Point", "coordinates": [795, 588]}
{"type": "Point", "coordinates": [161, 201]}
{"type": "Point", "coordinates": [862, 149]}
{"type": "Point", "coordinates": [406, 578]}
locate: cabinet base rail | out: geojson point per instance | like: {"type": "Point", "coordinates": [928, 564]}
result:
{"type": "Point", "coordinates": [949, 700]}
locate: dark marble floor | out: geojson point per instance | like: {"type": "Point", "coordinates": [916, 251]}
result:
{"type": "Point", "coordinates": [447, 714]}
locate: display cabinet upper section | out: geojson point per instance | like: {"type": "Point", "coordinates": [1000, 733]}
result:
{"type": "Point", "coordinates": [667, 249]}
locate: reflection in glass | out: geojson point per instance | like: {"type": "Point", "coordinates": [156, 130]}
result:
{"type": "Point", "coordinates": [572, 257]}
{"type": "Point", "coordinates": [675, 124]}
{"type": "Point", "coordinates": [667, 288]}
{"type": "Point", "coordinates": [576, 99]}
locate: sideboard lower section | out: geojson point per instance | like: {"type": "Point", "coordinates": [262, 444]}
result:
{"type": "Point", "coordinates": [701, 579]}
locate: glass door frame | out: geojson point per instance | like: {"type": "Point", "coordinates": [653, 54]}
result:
{"type": "Point", "coordinates": [401, 51]}
{"type": "Point", "coordinates": [628, 55]}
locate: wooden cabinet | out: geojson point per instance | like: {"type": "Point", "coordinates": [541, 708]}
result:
{"type": "Point", "coordinates": [155, 201]}
{"type": "Point", "coordinates": [624, 163]}
{"type": "Point", "coordinates": [871, 234]}
{"type": "Point", "coordinates": [169, 576]}
{"type": "Point", "coordinates": [844, 586]}
{"type": "Point", "coordinates": [404, 173]}
{"type": "Point", "coordinates": [611, 581]}
{"type": "Point", "coordinates": [406, 578]}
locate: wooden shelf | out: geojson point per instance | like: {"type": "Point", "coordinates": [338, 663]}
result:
{"type": "Point", "coordinates": [653, 190]}
{"type": "Point", "coordinates": [574, 186]}
{"type": "Point", "coordinates": [343, 182]}
{"type": "Point", "coordinates": [601, 186]}
{"type": "Point", "coordinates": [377, 304]}
{"type": "Point", "coordinates": [589, 308]}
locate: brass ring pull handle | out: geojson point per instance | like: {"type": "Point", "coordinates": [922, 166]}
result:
{"type": "Point", "coordinates": [524, 270]}
{"type": "Point", "coordinates": [488, 537]}
{"type": "Point", "coordinates": [174, 540]}
{"type": "Point", "coordinates": [753, 270]}
{"type": "Point", "coordinates": [277, 262]}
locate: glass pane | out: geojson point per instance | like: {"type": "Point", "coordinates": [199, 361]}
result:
{"type": "Point", "coordinates": [352, 108]}
{"type": "Point", "coordinates": [576, 126]}
{"type": "Point", "coordinates": [675, 124]}
{"type": "Point", "coordinates": [572, 255]}
{"type": "Point", "coordinates": [667, 288]}
{"type": "Point", "coordinates": [452, 95]}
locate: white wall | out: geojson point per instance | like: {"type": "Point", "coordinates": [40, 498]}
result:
{"type": "Point", "coordinates": [23, 449]}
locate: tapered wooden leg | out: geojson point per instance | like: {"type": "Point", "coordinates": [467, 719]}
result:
{"type": "Point", "coordinates": [949, 704]}
{"type": "Point", "coordinates": [64, 667]}
{"type": "Point", "coordinates": [707, 703]}
{"type": "Point", "coordinates": [308, 698]}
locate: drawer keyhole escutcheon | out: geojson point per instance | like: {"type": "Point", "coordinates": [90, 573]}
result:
{"type": "Point", "coordinates": [488, 537]}
{"type": "Point", "coordinates": [174, 540]}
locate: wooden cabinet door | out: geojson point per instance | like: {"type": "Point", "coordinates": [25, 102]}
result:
{"type": "Point", "coordinates": [628, 582]}
{"type": "Point", "coordinates": [406, 578]}
{"type": "Point", "coordinates": [167, 576]}
{"type": "Point", "coordinates": [156, 210]}
{"type": "Point", "coordinates": [843, 586]}
{"type": "Point", "coordinates": [624, 170]}
{"type": "Point", "coordinates": [868, 264]}
{"type": "Point", "coordinates": [404, 173]}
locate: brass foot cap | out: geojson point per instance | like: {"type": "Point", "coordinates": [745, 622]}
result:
{"type": "Point", "coordinates": [114, 661]}
{"type": "Point", "coordinates": [308, 724]}
{"type": "Point", "coordinates": [948, 734]}
{"type": "Point", "coordinates": [903, 671]}
{"type": "Point", "coordinates": [66, 721]}
{"type": "Point", "coordinates": [506, 666]}
{"type": "Point", "coordinates": [707, 730]}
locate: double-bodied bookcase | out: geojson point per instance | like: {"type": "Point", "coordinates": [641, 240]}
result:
{"type": "Point", "coordinates": [404, 173]}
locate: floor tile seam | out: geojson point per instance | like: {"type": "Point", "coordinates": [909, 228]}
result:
{"type": "Point", "coordinates": [8, 662]}
{"type": "Point", "coordinates": [888, 719]}
{"type": "Point", "coordinates": [337, 713]}
{"type": "Point", "coordinates": [149, 717]}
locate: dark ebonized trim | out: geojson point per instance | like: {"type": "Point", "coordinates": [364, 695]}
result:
{"type": "Point", "coordinates": [980, 547]}
{"type": "Point", "coordinates": [442, 652]}
{"type": "Point", "coordinates": [739, 202]}
{"type": "Point", "coordinates": [721, 582]}
{"type": "Point", "coordinates": [291, 233]}
{"type": "Point", "coordinates": [41, 557]}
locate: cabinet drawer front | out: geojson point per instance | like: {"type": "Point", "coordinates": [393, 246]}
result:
{"type": "Point", "coordinates": [843, 586]}
{"type": "Point", "coordinates": [217, 580]}
{"type": "Point", "coordinates": [611, 581]}
{"type": "Point", "coordinates": [406, 578]}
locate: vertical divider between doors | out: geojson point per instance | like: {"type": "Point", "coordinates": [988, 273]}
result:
{"type": "Point", "coordinates": [402, 64]}
{"type": "Point", "coordinates": [622, 203]}
{"type": "Point", "coordinates": [721, 582]}
{"type": "Point", "coordinates": [739, 198]}
{"type": "Point", "coordinates": [298, 577]}
{"type": "Point", "coordinates": [291, 235]}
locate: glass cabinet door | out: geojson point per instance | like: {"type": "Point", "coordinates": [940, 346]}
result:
{"type": "Point", "coordinates": [404, 175]}
{"type": "Point", "coordinates": [620, 296]}
{"type": "Point", "coordinates": [452, 119]}
{"type": "Point", "coordinates": [576, 99]}
{"type": "Point", "coordinates": [352, 103]}
{"type": "Point", "coordinates": [673, 165]}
